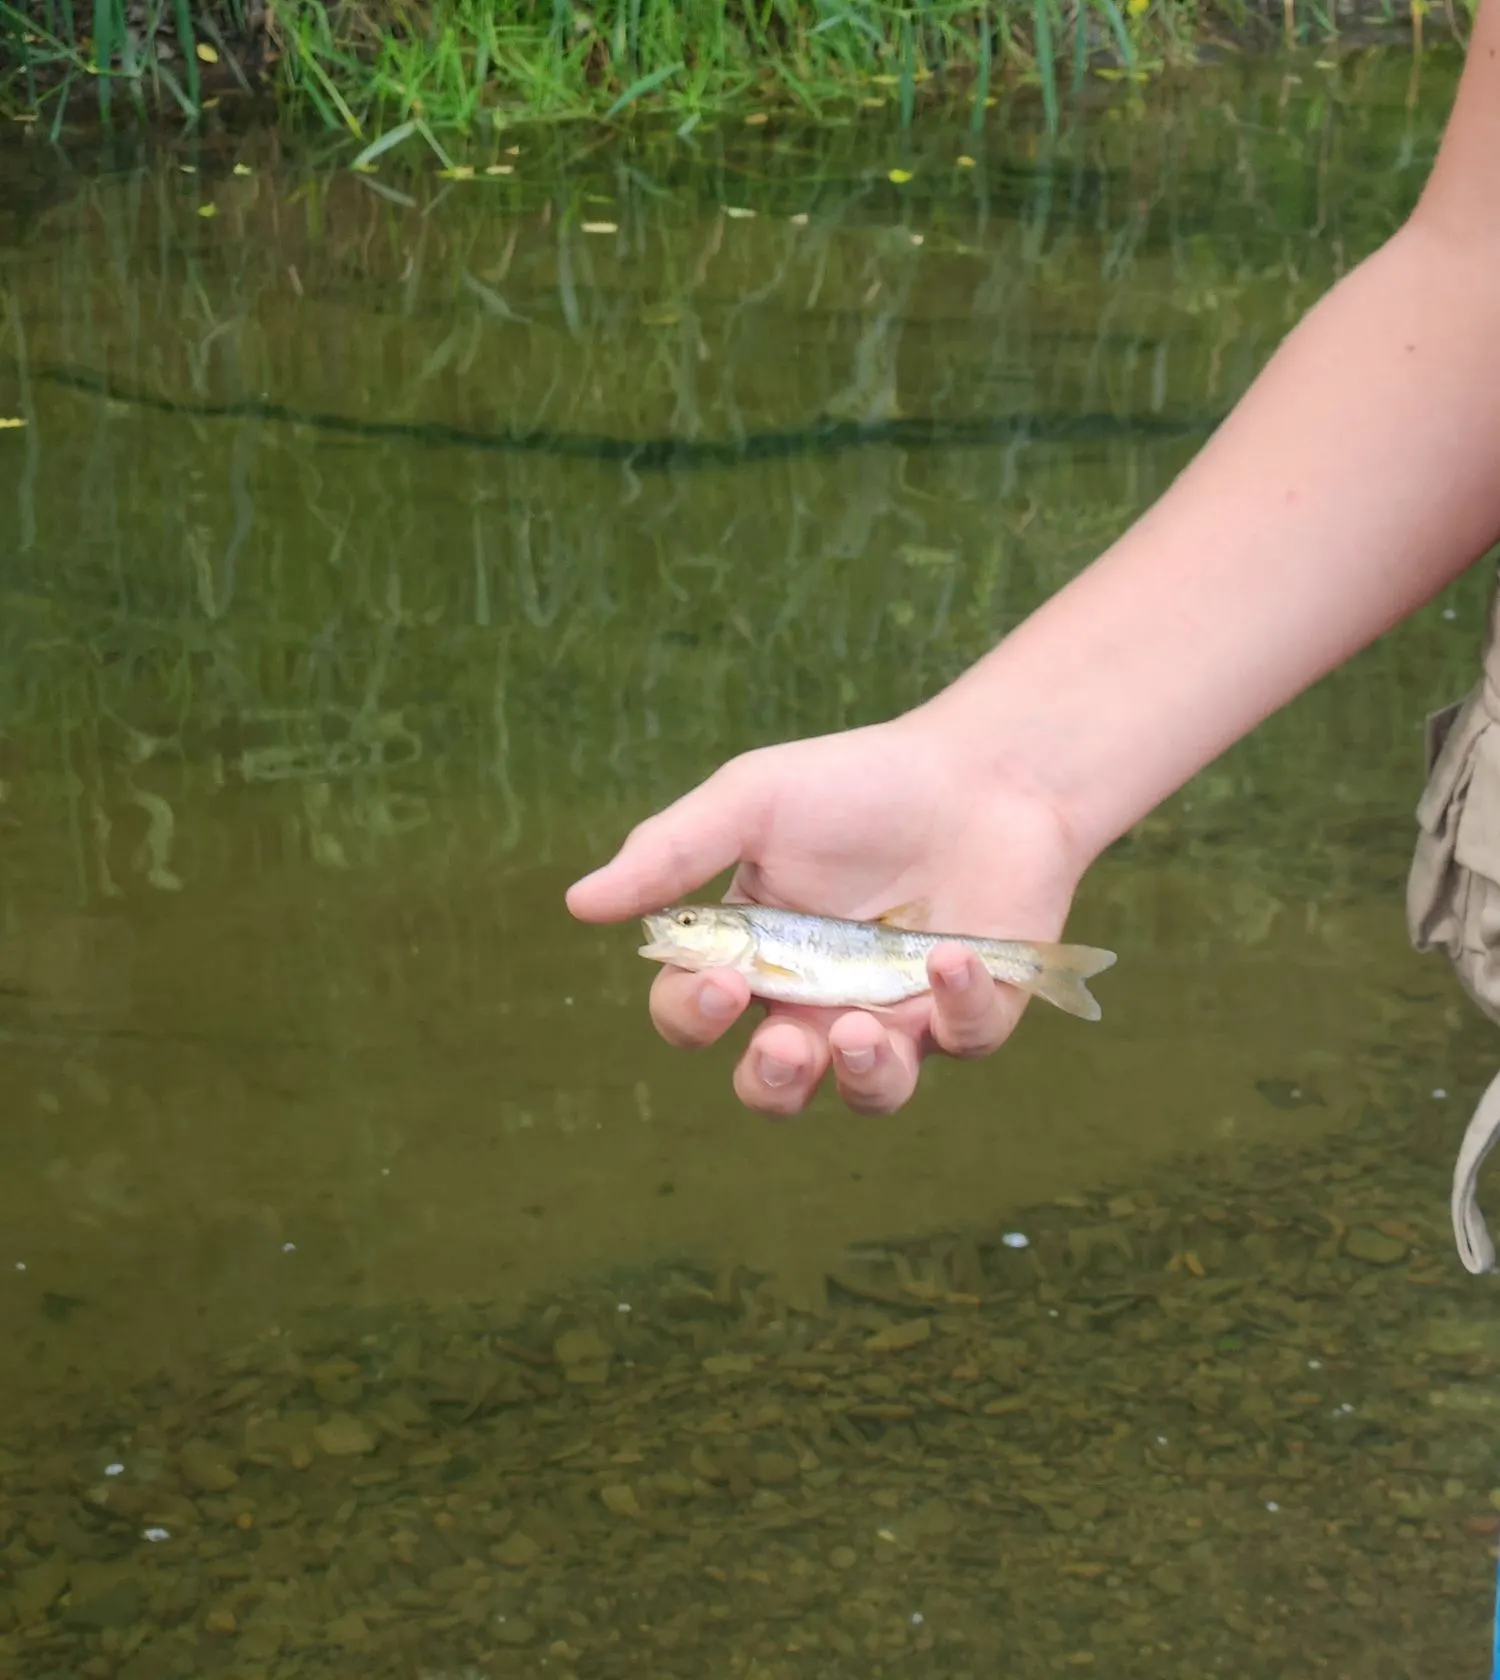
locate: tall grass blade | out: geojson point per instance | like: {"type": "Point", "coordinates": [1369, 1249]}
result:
{"type": "Point", "coordinates": [986, 64]}
{"type": "Point", "coordinates": [189, 54]}
{"type": "Point", "coordinates": [104, 52]}
{"type": "Point", "coordinates": [646, 84]}
{"type": "Point", "coordinates": [908, 73]}
{"type": "Point", "coordinates": [190, 107]}
{"type": "Point", "coordinates": [1123, 43]}
{"type": "Point", "coordinates": [1046, 61]}
{"type": "Point", "coordinates": [385, 143]}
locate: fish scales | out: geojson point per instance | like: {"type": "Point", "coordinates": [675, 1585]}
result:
{"type": "Point", "coordinates": [790, 956]}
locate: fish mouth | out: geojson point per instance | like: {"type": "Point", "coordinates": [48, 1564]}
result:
{"type": "Point", "coordinates": [658, 929]}
{"type": "Point", "coordinates": [660, 946]}
{"type": "Point", "coordinates": [659, 952]}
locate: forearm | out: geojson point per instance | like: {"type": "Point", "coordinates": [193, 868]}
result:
{"type": "Point", "coordinates": [1358, 476]}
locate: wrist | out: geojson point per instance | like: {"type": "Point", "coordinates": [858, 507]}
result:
{"type": "Point", "coordinates": [1019, 772]}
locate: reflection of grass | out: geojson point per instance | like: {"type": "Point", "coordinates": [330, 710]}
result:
{"type": "Point", "coordinates": [462, 64]}
{"type": "Point", "coordinates": [352, 629]}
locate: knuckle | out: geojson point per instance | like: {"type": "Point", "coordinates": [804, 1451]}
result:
{"type": "Point", "coordinates": [676, 1021]}
{"type": "Point", "coordinates": [969, 1042]}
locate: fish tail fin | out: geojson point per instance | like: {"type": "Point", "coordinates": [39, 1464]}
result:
{"type": "Point", "coordinates": [1061, 976]}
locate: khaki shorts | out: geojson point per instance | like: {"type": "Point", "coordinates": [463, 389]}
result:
{"type": "Point", "coordinates": [1453, 898]}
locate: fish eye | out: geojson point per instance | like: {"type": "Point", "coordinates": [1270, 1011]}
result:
{"type": "Point", "coordinates": [686, 918]}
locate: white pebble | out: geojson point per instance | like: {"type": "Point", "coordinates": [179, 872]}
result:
{"type": "Point", "coordinates": [114, 1469]}
{"type": "Point", "coordinates": [1271, 1505]}
{"type": "Point", "coordinates": [916, 1618]}
{"type": "Point", "coordinates": [1016, 1239]}
{"type": "Point", "coordinates": [20, 1265]}
{"type": "Point", "coordinates": [1161, 1440]}
{"type": "Point", "coordinates": [1315, 1364]}
{"type": "Point", "coordinates": [1448, 612]}
{"type": "Point", "coordinates": [156, 1534]}
{"type": "Point", "coordinates": [622, 1306]}
{"type": "Point", "coordinates": [1439, 1092]}
{"type": "Point", "coordinates": [289, 1248]}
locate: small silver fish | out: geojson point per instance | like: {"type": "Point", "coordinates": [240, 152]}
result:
{"type": "Point", "coordinates": [789, 957]}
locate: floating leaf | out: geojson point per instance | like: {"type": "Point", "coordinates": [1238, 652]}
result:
{"type": "Point", "coordinates": [500, 169]}
{"type": "Point", "coordinates": [737, 211]}
{"type": "Point", "coordinates": [458, 172]}
{"type": "Point", "coordinates": [966, 163]}
{"type": "Point", "coordinates": [601, 227]}
{"type": "Point", "coordinates": [242, 169]}
{"type": "Point", "coordinates": [899, 176]}
{"type": "Point", "coordinates": [799, 220]}
{"type": "Point", "coordinates": [756, 118]}
{"type": "Point", "coordinates": [11, 422]}
{"type": "Point", "coordinates": [208, 210]}
{"type": "Point", "coordinates": [206, 53]}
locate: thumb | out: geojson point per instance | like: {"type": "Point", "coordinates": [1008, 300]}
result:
{"type": "Point", "coordinates": [674, 852]}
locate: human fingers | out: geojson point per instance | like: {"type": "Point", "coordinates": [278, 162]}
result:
{"type": "Point", "coordinates": [875, 1067]}
{"type": "Point", "coordinates": [692, 1011]}
{"type": "Point", "coordinates": [781, 1068]}
{"type": "Point", "coordinates": [672, 853]}
{"type": "Point", "coordinates": [971, 1015]}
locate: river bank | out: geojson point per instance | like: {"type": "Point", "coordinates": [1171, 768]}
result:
{"type": "Point", "coordinates": [463, 66]}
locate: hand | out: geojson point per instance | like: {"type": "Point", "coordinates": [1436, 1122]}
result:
{"type": "Point", "coordinates": [852, 824]}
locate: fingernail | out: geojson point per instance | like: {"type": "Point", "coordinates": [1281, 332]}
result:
{"type": "Point", "coordinates": [715, 1002]}
{"type": "Point", "coordinates": [858, 1061]}
{"type": "Point", "coordinates": [775, 1073]}
{"type": "Point", "coordinates": [957, 978]}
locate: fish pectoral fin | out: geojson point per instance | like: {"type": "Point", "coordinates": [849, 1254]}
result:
{"type": "Point", "coordinates": [774, 971]}
{"type": "Point", "coordinates": [910, 916]}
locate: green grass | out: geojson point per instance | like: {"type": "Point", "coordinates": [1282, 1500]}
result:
{"type": "Point", "coordinates": [467, 65]}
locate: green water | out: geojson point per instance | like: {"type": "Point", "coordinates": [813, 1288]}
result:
{"type": "Point", "coordinates": [382, 1298]}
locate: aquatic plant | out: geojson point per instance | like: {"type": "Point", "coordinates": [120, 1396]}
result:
{"type": "Point", "coordinates": [467, 65]}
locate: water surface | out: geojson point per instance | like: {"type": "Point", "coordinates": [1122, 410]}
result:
{"type": "Point", "coordinates": [384, 1297]}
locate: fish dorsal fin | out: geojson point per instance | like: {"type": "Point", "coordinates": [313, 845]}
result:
{"type": "Point", "coordinates": [909, 916]}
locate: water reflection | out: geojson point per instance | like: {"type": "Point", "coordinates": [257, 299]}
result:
{"type": "Point", "coordinates": [336, 1155]}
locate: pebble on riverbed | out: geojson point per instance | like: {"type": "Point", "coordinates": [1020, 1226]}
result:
{"type": "Point", "coordinates": [1188, 1422]}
